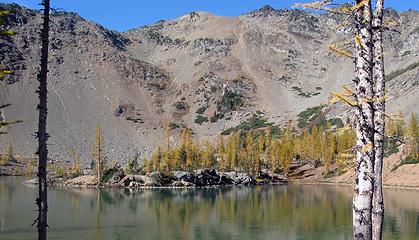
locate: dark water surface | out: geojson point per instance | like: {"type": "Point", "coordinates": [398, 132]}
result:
{"type": "Point", "coordinates": [272, 212]}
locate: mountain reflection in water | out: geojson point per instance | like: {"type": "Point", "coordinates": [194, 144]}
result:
{"type": "Point", "coordinates": [271, 212]}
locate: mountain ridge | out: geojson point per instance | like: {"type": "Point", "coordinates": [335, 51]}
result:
{"type": "Point", "coordinates": [184, 71]}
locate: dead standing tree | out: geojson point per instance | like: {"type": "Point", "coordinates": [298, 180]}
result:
{"type": "Point", "coordinates": [42, 135]}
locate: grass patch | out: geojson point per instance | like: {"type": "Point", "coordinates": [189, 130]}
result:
{"type": "Point", "coordinates": [407, 160]}
{"type": "Point", "coordinates": [390, 150]}
{"type": "Point", "coordinates": [401, 71]}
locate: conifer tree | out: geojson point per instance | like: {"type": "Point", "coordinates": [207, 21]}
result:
{"type": "Point", "coordinates": [156, 160]}
{"type": "Point", "coordinates": [260, 153]}
{"type": "Point", "coordinates": [399, 125]}
{"type": "Point", "coordinates": [229, 163]}
{"type": "Point", "coordinates": [195, 155]}
{"type": "Point", "coordinates": [148, 166]}
{"type": "Point", "coordinates": [268, 147]}
{"type": "Point", "coordinates": [207, 155]}
{"type": "Point", "coordinates": [166, 163]}
{"type": "Point", "coordinates": [412, 137]}
{"type": "Point", "coordinates": [275, 155]}
{"type": "Point", "coordinates": [4, 14]}
{"type": "Point", "coordinates": [220, 153]}
{"type": "Point", "coordinates": [98, 153]}
{"type": "Point", "coordinates": [328, 149]}
{"type": "Point", "coordinates": [177, 154]}
{"type": "Point", "coordinates": [250, 153]}
{"type": "Point", "coordinates": [10, 156]}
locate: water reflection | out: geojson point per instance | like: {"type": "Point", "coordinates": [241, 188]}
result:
{"type": "Point", "coordinates": [274, 212]}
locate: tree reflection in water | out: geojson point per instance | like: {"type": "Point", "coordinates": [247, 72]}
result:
{"type": "Point", "coordinates": [271, 212]}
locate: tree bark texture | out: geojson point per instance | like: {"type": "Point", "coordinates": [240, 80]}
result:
{"type": "Point", "coordinates": [379, 120]}
{"type": "Point", "coordinates": [364, 179]}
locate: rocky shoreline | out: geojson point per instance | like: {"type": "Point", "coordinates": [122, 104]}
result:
{"type": "Point", "coordinates": [177, 179]}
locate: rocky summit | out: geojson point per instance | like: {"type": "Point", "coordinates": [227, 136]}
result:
{"type": "Point", "coordinates": [204, 72]}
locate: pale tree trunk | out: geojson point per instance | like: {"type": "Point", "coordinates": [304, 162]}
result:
{"type": "Point", "coordinates": [42, 200]}
{"type": "Point", "coordinates": [363, 192]}
{"type": "Point", "coordinates": [379, 120]}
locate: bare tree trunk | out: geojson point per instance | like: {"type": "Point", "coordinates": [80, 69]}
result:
{"type": "Point", "coordinates": [42, 200]}
{"type": "Point", "coordinates": [379, 120]}
{"type": "Point", "coordinates": [363, 192]}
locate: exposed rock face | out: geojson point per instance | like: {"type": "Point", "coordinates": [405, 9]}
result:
{"type": "Point", "coordinates": [200, 178]}
{"type": "Point", "coordinates": [228, 67]}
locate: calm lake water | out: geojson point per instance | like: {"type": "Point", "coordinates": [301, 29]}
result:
{"type": "Point", "coordinates": [272, 212]}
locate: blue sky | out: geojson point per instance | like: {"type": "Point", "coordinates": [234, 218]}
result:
{"type": "Point", "coordinates": [128, 14]}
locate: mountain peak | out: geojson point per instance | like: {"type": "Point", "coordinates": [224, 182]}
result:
{"type": "Point", "coordinates": [267, 11]}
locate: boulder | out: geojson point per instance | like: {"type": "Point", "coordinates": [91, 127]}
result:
{"type": "Point", "coordinates": [125, 181]}
{"type": "Point", "coordinates": [179, 174]}
{"type": "Point", "coordinates": [116, 177]}
{"type": "Point", "coordinates": [162, 179]}
{"type": "Point", "coordinates": [278, 179]}
{"type": "Point", "coordinates": [204, 178]}
{"type": "Point", "coordinates": [182, 184]}
{"type": "Point", "coordinates": [240, 178]}
{"type": "Point", "coordinates": [85, 180]}
{"type": "Point", "coordinates": [32, 181]}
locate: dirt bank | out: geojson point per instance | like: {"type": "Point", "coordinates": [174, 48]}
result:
{"type": "Point", "coordinates": [394, 174]}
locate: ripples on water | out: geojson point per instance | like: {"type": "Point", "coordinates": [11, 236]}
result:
{"type": "Point", "coordinates": [271, 212]}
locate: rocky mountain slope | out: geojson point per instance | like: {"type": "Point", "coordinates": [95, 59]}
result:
{"type": "Point", "coordinates": [201, 71]}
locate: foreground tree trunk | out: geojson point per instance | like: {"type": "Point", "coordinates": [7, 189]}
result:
{"type": "Point", "coordinates": [42, 200]}
{"type": "Point", "coordinates": [379, 120]}
{"type": "Point", "coordinates": [363, 191]}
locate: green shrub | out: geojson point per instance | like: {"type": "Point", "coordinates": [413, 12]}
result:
{"type": "Point", "coordinates": [200, 119]}
{"type": "Point", "coordinates": [407, 160]}
{"type": "Point", "coordinates": [230, 102]}
{"type": "Point", "coordinates": [107, 174]}
{"type": "Point", "coordinates": [306, 116]}
{"type": "Point", "coordinates": [173, 125]}
{"type": "Point", "coordinates": [181, 105]}
{"type": "Point", "coordinates": [201, 110]}
{"type": "Point", "coordinates": [255, 122]}
{"type": "Point", "coordinates": [213, 118]}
